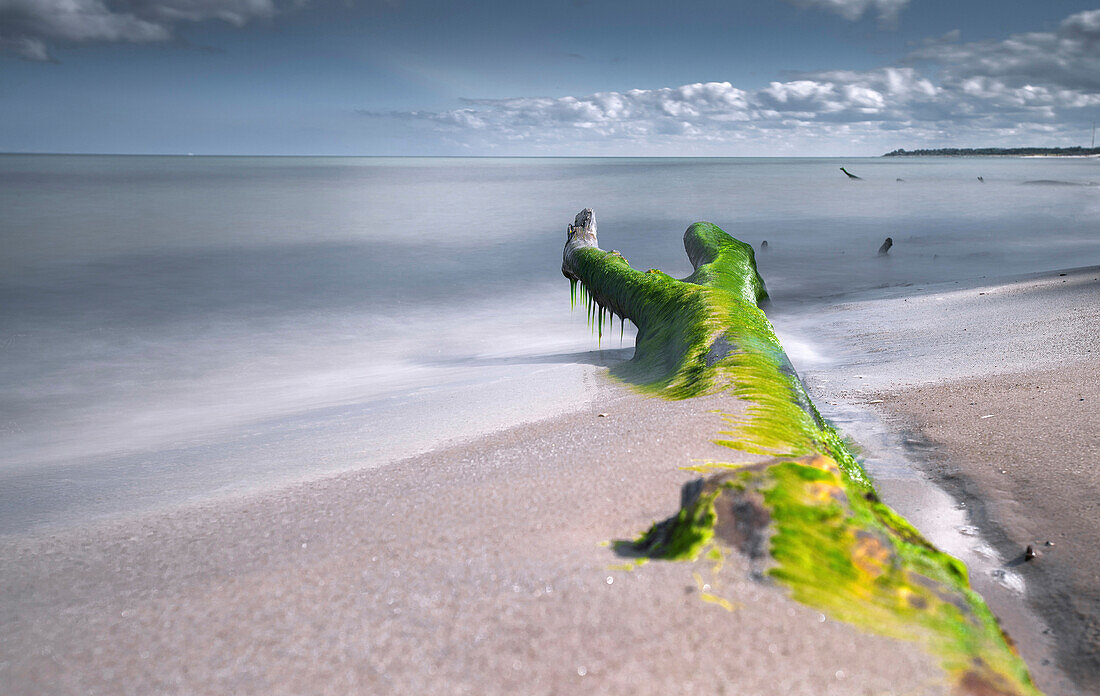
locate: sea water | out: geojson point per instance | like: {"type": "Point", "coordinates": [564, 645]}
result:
{"type": "Point", "coordinates": [179, 328]}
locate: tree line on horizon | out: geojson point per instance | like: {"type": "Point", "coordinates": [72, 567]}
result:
{"type": "Point", "coordinates": [985, 151]}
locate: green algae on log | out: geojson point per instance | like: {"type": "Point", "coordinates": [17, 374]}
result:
{"type": "Point", "coordinates": [840, 550]}
{"type": "Point", "coordinates": [809, 512]}
{"type": "Point", "coordinates": [684, 326]}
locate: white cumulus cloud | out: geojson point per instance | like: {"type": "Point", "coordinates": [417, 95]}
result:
{"type": "Point", "coordinates": [705, 112]}
{"type": "Point", "coordinates": [1036, 88]}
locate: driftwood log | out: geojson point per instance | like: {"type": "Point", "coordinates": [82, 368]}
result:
{"type": "Point", "coordinates": [807, 516]}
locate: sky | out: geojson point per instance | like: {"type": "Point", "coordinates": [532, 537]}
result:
{"type": "Point", "coordinates": [554, 78]}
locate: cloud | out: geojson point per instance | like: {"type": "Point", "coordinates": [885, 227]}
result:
{"type": "Point", "coordinates": [1036, 88]}
{"type": "Point", "coordinates": [712, 112]}
{"type": "Point", "coordinates": [29, 27]}
{"type": "Point", "coordinates": [1066, 59]}
{"type": "Point", "coordinates": [888, 10]}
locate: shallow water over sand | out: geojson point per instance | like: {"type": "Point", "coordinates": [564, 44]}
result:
{"type": "Point", "coordinates": [174, 328]}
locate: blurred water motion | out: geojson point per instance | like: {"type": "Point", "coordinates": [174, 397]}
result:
{"type": "Point", "coordinates": [179, 327]}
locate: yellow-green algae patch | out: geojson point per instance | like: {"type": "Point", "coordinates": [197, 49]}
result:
{"type": "Point", "coordinates": [827, 536]}
{"type": "Point", "coordinates": [831, 544]}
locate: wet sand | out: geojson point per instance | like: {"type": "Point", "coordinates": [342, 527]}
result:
{"type": "Point", "coordinates": [482, 568]}
{"type": "Point", "coordinates": [1023, 451]}
{"type": "Point", "coordinates": [993, 390]}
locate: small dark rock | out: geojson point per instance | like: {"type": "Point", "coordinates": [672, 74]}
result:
{"type": "Point", "coordinates": [764, 244]}
{"type": "Point", "coordinates": [885, 248]}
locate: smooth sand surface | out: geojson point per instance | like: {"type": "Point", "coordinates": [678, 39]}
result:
{"type": "Point", "coordinates": [995, 391]}
{"type": "Point", "coordinates": [477, 569]}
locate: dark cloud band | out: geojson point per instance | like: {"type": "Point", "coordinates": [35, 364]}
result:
{"type": "Point", "coordinates": [29, 27]}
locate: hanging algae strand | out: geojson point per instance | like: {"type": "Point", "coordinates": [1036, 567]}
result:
{"type": "Point", "coordinates": [832, 541]}
{"type": "Point", "coordinates": [577, 293]}
{"type": "Point", "coordinates": [595, 307]}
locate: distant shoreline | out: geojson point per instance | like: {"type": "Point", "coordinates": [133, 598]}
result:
{"type": "Point", "coordinates": [998, 152]}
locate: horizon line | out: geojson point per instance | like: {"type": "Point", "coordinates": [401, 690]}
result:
{"type": "Point", "coordinates": [191, 154]}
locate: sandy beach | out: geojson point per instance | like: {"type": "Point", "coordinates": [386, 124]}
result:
{"type": "Point", "coordinates": [478, 569]}
{"type": "Point", "coordinates": [992, 391]}
{"type": "Point", "coordinates": [487, 567]}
